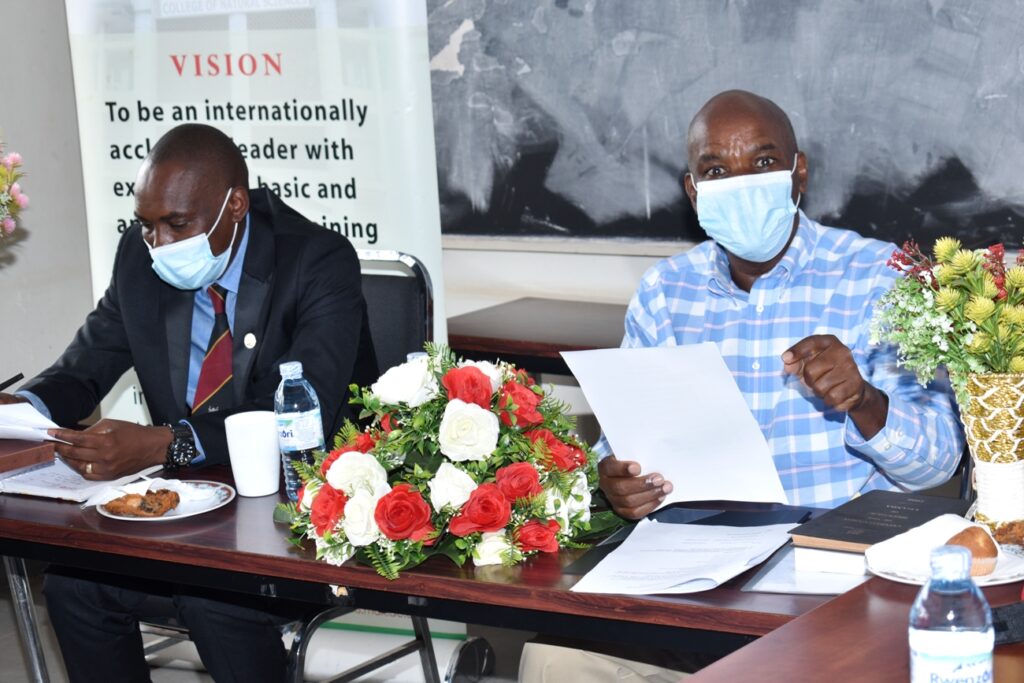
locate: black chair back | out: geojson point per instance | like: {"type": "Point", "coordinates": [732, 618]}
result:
{"type": "Point", "coordinates": [400, 302]}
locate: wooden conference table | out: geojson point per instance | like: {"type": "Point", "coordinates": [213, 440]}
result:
{"type": "Point", "coordinates": [531, 332]}
{"type": "Point", "coordinates": [239, 548]}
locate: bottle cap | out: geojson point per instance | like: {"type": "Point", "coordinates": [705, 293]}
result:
{"type": "Point", "coordinates": [291, 369]}
{"type": "Point", "coordinates": [951, 563]}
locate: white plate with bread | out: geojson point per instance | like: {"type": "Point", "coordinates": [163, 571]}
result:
{"type": "Point", "coordinates": [905, 558]}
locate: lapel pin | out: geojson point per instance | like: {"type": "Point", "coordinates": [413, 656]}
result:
{"type": "Point", "coordinates": [250, 341]}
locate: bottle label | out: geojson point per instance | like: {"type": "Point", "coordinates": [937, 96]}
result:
{"type": "Point", "coordinates": [300, 431]}
{"type": "Point", "coordinates": [950, 657]}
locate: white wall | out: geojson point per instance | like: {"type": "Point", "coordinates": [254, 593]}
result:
{"type": "Point", "coordinates": [44, 276]}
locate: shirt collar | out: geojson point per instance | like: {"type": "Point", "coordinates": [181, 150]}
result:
{"type": "Point", "coordinates": [233, 275]}
{"type": "Point", "coordinates": [797, 254]}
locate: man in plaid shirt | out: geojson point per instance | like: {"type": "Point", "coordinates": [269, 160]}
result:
{"type": "Point", "coordinates": [788, 302]}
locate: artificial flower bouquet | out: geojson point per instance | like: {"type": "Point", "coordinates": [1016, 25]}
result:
{"type": "Point", "coordinates": [12, 199]}
{"type": "Point", "coordinates": [963, 309]}
{"type": "Point", "coordinates": [461, 458]}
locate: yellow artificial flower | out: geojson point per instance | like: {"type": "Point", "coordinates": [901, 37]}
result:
{"type": "Point", "coordinates": [963, 261]}
{"type": "Point", "coordinates": [1005, 332]}
{"type": "Point", "coordinates": [1015, 277]}
{"type": "Point", "coordinates": [945, 248]}
{"type": "Point", "coordinates": [1013, 315]}
{"type": "Point", "coordinates": [945, 274]}
{"type": "Point", "coordinates": [946, 299]}
{"type": "Point", "coordinates": [1017, 364]}
{"type": "Point", "coordinates": [980, 343]}
{"type": "Point", "coordinates": [979, 308]}
{"type": "Point", "coordinates": [988, 286]}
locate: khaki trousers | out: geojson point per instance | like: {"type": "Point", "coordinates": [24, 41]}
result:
{"type": "Point", "coordinates": [543, 663]}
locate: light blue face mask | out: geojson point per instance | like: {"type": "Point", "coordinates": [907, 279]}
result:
{"type": "Point", "coordinates": [190, 263]}
{"type": "Point", "coordinates": [750, 216]}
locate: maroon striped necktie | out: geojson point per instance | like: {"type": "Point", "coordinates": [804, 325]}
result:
{"type": "Point", "coordinates": [213, 390]}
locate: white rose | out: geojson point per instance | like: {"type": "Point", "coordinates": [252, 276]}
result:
{"type": "Point", "coordinates": [450, 486]}
{"type": "Point", "coordinates": [354, 471]}
{"type": "Point", "coordinates": [492, 545]}
{"type": "Point", "coordinates": [577, 506]}
{"type": "Point", "coordinates": [468, 432]}
{"type": "Point", "coordinates": [489, 369]}
{"type": "Point", "coordinates": [411, 382]}
{"type": "Point", "coordinates": [358, 523]}
{"type": "Point", "coordinates": [309, 492]}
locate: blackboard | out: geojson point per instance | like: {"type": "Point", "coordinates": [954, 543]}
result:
{"type": "Point", "coordinates": [569, 117]}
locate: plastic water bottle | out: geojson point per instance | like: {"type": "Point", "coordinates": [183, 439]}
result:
{"type": "Point", "coordinates": [951, 634]}
{"type": "Point", "coordinates": [300, 430]}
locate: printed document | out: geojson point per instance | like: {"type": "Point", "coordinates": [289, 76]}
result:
{"type": "Point", "coordinates": [56, 480]}
{"type": "Point", "coordinates": [681, 558]}
{"type": "Point", "coordinates": [677, 411]}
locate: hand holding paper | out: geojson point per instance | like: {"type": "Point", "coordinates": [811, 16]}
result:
{"type": "Point", "coordinates": [631, 495]}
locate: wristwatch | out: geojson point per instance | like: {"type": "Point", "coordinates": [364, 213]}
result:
{"type": "Point", "coordinates": [182, 449]}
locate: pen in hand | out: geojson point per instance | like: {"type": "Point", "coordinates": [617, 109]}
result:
{"type": "Point", "coordinates": [8, 382]}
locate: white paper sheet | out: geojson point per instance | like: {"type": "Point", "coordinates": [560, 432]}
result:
{"type": "Point", "coordinates": [23, 421]}
{"type": "Point", "coordinates": [677, 411]}
{"type": "Point", "coordinates": [57, 480]}
{"type": "Point", "coordinates": [681, 558]}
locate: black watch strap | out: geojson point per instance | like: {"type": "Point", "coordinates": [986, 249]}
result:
{"type": "Point", "coordinates": [182, 450]}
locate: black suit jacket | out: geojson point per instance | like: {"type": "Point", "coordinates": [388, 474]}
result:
{"type": "Point", "coordinates": [299, 295]}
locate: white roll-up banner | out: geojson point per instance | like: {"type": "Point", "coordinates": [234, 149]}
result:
{"type": "Point", "coordinates": [329, 101]}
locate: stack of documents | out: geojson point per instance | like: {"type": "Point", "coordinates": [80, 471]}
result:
{"type": "Point", "coordinates": [681, 558]}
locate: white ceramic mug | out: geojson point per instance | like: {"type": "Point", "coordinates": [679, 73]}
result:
{"type": "Point", "coordinates": [252, 446]}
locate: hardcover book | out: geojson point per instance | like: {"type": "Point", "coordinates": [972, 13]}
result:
{"type": "Point", "coordinates": [16, 454]}
{"type": "Point", "coordinates": [872, 518]}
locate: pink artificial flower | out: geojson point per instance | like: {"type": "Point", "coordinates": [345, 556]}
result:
{"type": "Point", "coordinates": [13, 159]}
{"type": "Point", "coordinates": [8, 225]}
{"type": "Point", "coordinates": [15, 190]}
{"type": "Point", "coordinates": [22, 200]}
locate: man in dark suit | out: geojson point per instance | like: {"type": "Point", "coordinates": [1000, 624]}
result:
{"type": "Point", "coordinates": [205, 251]}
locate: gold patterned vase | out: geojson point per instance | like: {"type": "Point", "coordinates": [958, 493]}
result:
{"type": "Point", "coordinates": [994, 425]}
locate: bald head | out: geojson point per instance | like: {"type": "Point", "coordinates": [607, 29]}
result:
{"type": "Point", "coordinates": [739, 109]}
{"type": "Point", "coordinates": [204, 151]}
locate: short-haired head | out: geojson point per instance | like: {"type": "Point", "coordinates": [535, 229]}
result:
{"type": "Point", "coordinates": [205, 150]}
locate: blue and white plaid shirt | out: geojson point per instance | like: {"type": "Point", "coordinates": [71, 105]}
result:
{"type": "Point", "coordinates": [826, 283]}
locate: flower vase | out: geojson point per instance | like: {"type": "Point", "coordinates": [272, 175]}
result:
{"type": "Point", "coordinates": [994, 426]}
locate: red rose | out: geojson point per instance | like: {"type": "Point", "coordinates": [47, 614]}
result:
{"type": "Point", "coordinates": [328, 508]}
{"type": "Point", "coordinates": [486, 510]}
{"type": "Point", "coordinates": [563, 456]}
{"type": "Point", "coordinates": [524, 378]}
{"type": "Point", "coordinates": [402, 514]}
{"type": "Point", "coordinates": [525, 402]}
{"type": "Point", "coordinates": [468, 384]}
{"type": "Point", "coordinates": [538, 535]}
{"type": "Point", "coordinates": [363, 443]}
{"type": "Point", "coordinates": [520, 480]}
{"type": "Point", "coordinates": [386, 423]}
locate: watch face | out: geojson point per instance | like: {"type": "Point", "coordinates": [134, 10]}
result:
{"type": "Point", "coordinates": [182, 450]}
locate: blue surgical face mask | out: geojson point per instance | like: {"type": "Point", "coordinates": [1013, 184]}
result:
{"type": "Point", "coordinates": [751, 216]}
{"type": "Point", "coordinates": [190, 263]}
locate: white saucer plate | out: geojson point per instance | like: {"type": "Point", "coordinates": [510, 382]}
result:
{"type": "Point", "coordinates": [213, 495]}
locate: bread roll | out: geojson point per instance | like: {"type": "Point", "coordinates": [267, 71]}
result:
{"type": "Point", "coordinates": [983, 549]}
